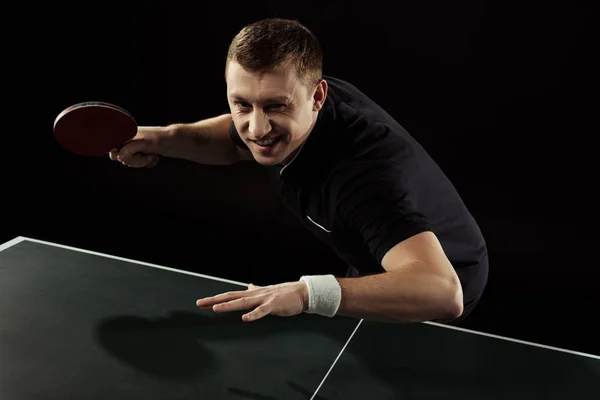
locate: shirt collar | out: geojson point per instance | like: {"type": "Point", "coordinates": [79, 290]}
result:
{"type": "Point", "coordinates": [308, 144]}
{"type": "Point", "coordinates": [293, 158]}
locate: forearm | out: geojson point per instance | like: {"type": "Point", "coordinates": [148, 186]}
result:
{"type": "Point", "coordinates": [405, 295]}
{"type": "Point", "coordinates": [204, 142]}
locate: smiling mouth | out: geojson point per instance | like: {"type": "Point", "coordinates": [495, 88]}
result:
{"type": "Point", "coordinates": [268, 142]}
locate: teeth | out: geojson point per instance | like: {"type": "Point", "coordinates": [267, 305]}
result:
{"type": "Point", "coordinates": [266, 142]}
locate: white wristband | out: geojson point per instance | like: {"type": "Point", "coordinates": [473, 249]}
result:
{"type": "Point", "coordinates": [324, 294]}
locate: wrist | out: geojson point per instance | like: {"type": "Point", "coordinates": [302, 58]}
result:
{"type": "Point", "coordinates": [304, 295]}
{"type": "Point", "coordinates": [323, 294]}
{"type": "Point", "coordinates": [166, 137]}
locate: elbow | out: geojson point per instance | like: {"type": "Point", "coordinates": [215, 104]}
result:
{"type": "Point", "coordinates": [452, 305]}
{"type": "Point", "coordinates": [443, 302]}
{"type": "Point", "coordinates": [454, 310]}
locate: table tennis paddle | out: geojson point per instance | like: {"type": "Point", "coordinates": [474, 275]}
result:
{"type": "Point", "coordinates": [94, 128]}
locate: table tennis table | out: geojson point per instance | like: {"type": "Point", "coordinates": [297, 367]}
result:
{"type": "Point", "coordinates": [78, 324]}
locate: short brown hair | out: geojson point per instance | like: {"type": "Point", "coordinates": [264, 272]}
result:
{"type": "Point", "coordinates": [271, 42]}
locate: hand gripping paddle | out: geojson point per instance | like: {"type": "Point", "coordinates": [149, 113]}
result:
{"type": "Point", "coordinates": [94, 128]}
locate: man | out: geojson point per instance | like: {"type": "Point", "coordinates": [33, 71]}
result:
{"type": "Point", "coordinates": [353, 176]}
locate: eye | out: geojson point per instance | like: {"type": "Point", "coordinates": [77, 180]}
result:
{"type": "Point", "coordinates": [277, 106]}
{"type": "Point", "coordinates": [241, 104]}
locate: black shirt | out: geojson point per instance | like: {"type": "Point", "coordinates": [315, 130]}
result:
{"type": "Point", "coordinates": [362, 183]}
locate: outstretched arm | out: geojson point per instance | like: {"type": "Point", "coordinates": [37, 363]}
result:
{"type": "Point", "coordinates": [419, 285]}
{"type": "Point", "coordinates": [205, 142]}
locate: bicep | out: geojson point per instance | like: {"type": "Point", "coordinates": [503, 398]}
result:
{"type": "Point", "coordinates": [423, 248]}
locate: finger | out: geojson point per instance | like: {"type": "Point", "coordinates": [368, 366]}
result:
{"type": "Point", "coordinates": [220, 298]}
{"type": "Point", "coordinates": [137, 161]}
{"type": "Point", "coordinates": [152, 161]}
{"type": "Point", "coordinates": [113, 154]}
{"type": "Point", "coordinates": [131, 149]}
{"type": "Point", "coordinates": [243, 303]}
{"type": "Point", "coordinates": [258, 312]}
{"type": "Point", "coordinates": [253, 286]}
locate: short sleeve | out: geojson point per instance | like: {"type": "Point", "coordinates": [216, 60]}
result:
{"type": "Point", "coordinates": [375, 200]}
{"type": "Point", "coordinates": [235, 137]}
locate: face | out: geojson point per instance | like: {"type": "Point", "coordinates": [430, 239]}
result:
{"type": "Point", "coordinates": [273, 111]}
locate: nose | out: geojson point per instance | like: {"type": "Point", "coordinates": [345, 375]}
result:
{"type": "Point", "coordinates": [259, 125]}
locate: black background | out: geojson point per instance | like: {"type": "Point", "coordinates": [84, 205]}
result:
{"type": "Point", "coordinates": [501, 96]}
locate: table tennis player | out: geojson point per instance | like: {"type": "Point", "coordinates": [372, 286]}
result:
{"type": "Point", "coordinates": [353, 176]}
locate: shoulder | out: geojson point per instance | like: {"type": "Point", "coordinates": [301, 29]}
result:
{"type": "Point", "coordinates": [375, 172]}
{"type": "Point", "coordinates": [360, 121]}
{"type": "Point", "coordinates": [363, 144]}
{"type": "Point", "coordinates": [374, 151]}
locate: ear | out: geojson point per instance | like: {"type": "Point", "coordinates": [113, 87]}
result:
{"type": "Point", "coordinates": [319, 95]}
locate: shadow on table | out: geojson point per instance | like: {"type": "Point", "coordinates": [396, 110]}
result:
{"type": "Point", "coordinates": [174, 347]}
{"type": "Point", "coordinates": [393, 360]}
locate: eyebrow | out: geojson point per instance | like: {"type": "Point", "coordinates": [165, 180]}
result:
{"type": "Point", "coordinates": [277, 99]}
